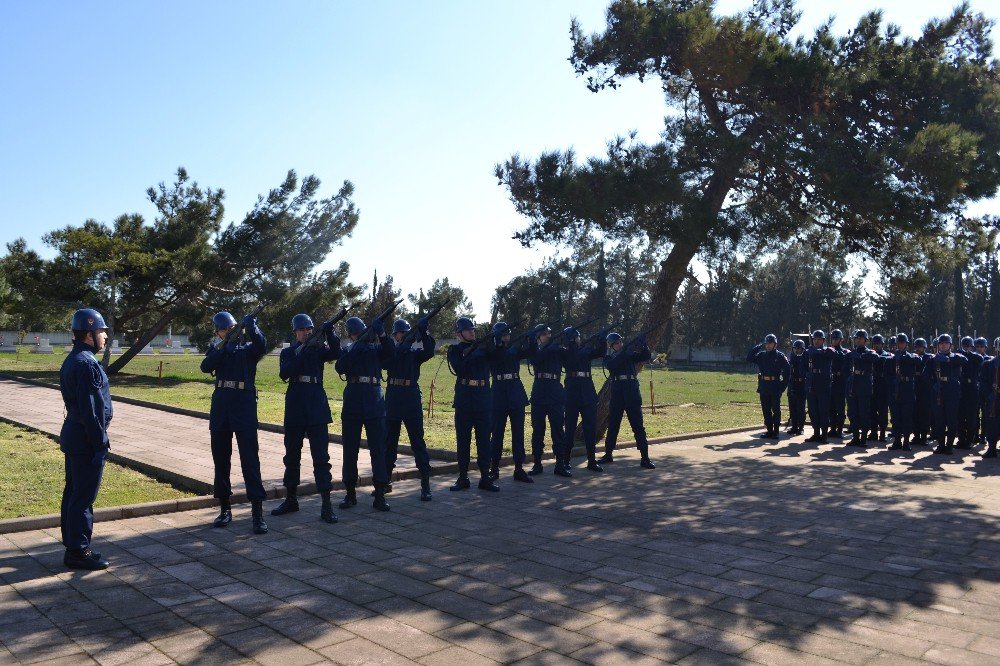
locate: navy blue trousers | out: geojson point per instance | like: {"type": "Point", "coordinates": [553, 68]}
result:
{"type": "Point", "coordinates": [797, 408]}
{"type": "Point", "coordinates": [819, 409]}
{"type": "Point", "coordinates": [880, 411]}
{"type": "Point", "coordinates": [467, 421]}
{"type": "Point", "coordinates": [588, 422]}
{"type": "Point", "coordinates": [415, 433]}
{"type": "Point", "coordinates": [375, 432]}
{"type": "Point", "coordinates": [770, 404]}
{"type": "Point", "coordinates": [859, 410]}
{"type": "Point", "coordinates": [946, 417]}
{"type": "Point", "coordinates": [838, 395]}
{"type": "Point", "coordinates": [923, 411]}
{"type": "Point", "coordinates": [634, 413]}
{"type": "Point", "coordinates": [556, 416]}
{"type": "Point", "coordinates": [902, 417]}
{"type": "Point", "coordinates": [83, 479]}
{"type": "Point", "coordinates": [499, 419]}
{"type": "Point", "coordinates": [968, 418]}
{"type": "Point", "coordinates": [319, 448]}
{"type": "Point", "coordinates": [222, 456]}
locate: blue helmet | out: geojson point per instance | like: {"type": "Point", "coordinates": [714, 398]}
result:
{"type": "Point", "coordinates": [301, 321]}
{"type": "Point", "coordinates": [570, 333]}
{"type": "Point", "coordinates": [818, 334]}
{"type": "Point", "coordinates": [223, 320]}
{"type": "Point", "coordinates": [355, 326]}
{"type": "Point", "coordinates": [501, 328]}
{"type": "Point", "coordinates": [542, 328]}
{"type": "Point", "coordinates": [798, 344]}
{"type": "Point", "coordinates": [877, 339]}
{"type": "Point", "coordinates": [771, 337]}
{"type": "Point", "coordinates": [902, 337]}
{"type": "Point", "coordinates": [996, 343]}
{"type": "Point", "coordinates": [944, 337]}
{"type": "Point", "coordinates": [613, 338]}
{"type": "Point", "coordinates": [861, 333]}
{"type": "Point", "coordinates": [982, 342]}
{"type": "Point", "coordinates": [920, 342]}
{"type": "Point", "coordinates": [967, 341]}
{"type": "Point", "coordinates": [88, 319]}
{"type": "Point", "coordinates": [464, 324]}
{"type": "Point", "coordinates": [836, 334]}
{"type": "Point", "coordinates": [400, 326]}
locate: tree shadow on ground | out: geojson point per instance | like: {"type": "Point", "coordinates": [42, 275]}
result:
{"type": "Point", "coordinates": [698, 559]}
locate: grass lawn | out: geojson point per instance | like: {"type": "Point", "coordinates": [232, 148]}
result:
{"type": "Point", "coordinates": [32, 478]}
{"type": "Point", "coordinates": [691, 400]}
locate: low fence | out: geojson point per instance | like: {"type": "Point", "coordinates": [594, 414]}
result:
{"type": "Point", "coordinates": [66, 338]}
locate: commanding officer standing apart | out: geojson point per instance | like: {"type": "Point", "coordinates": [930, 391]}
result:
{"type": "Point", "coordinates": [945, 373]}
{"type": "Point", "coordinates": [234, 411]}
{"type": "Point", "coordinates": [581, 396]}
{"type": "Point", "coordinates": [622, 363]}
{"type": "Point", "coordinates": [473, 404]}
{"type": "Point", "coordinates": [838, 386]}
{"type": "Point", "coordinates": [902, 372]}
{"type": "Point", "coordinates": [922, 409]}
{"type": "Point", "coordinates": [404, 402]}
{"type": "Point", "coordinates": [771, 381]}
{"type": "Point", "coordinates": [364, 405]}
{"type": "Point", "coordinates": [548, 401]}
{"type": "Point", "coordinates": [84, 437]}
{"type": "Point", "coordinates": [818, 385]}
{"type": "Point", "coordinates": [307, 412]}
{"type": "Point", "coordinates": [509, 398]}
{"type": "Point", "coordinates": [860, 385]}
{"type": "Point", "coordinates": [799, 369]}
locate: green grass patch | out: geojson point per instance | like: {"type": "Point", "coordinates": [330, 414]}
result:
{"type": "Point", "coordinates": [694, 400]}
{"type": "Point", "coordinates": [32, 477]}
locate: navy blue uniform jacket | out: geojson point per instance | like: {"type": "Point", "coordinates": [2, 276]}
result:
{"type": "Point", "coordinates": [306, 403]}
{"type": "Point", "coordinates": [474, 367]}
{"type": "Point", "coordinates": [819, 369]}
{"type": "Point", "coordinates": [944, 372]}
{"type": "Point", "coordinates": [509, 394]}
{"type": "Point", "coordinates": [548, 360]}
{"type": "Point", "coordinates": [364, 359]}
{"type": "Point", "coordinates": [772, 364]}
{"type": "Point", "coordinates": [625, 393]}
{"type": "Point", "coordinates": [235, 409]}
{"type": "Point", "coordinates": [406, 402]}
{"type": "Point", "coordinates": [863, 364]}
{"type": "Point", "coordinates": [87, 397]}
{"type": "Point", "coordinates": [580, 390]}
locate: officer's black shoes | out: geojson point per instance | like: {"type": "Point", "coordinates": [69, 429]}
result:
{"type": "Point", "coordinates": [461, 484]}
{"type": "Point", "coordinates": [224, 518]}
{"type": "Point", "coordinates": [897, 445]}
{"type": "Point", "coordinates": [991, 452]}
{"type": "Point", "coordinates": [326, 513]}
{"type": "Point", "coordinates": [257, 516]}
{"type": "Point", "coordinates": [380, 504]}
{"type": "Point", "coordinates": [562, 470]}
{"type": "Point", "coordinates": [567, 469]}
{"type": "Point", "coordinates": [84, 559]}
{"type": "Point", "coordinates": [906, 446]}
{"type": "Point", "coordinates": [594, 466]}
{"type": "Point", "coordinates": [289, 505]}
{"type": "Point", "coordinates": [815, 437]}
{"type": "Point", "coordinates": [536, 469]}
{"type": "Point", "coordinates": [522, 476]}
{"type": "Point", "coordinates": [494, 472]}
{"type": "Point", "coordinates": [646, 463]}
{"type": "Point", "coordinates": [486, 483]}
{"type": "Point", "coordinates": [607, 458]}
{"type": "Point", "coordinates": [350, 499]}
{"type": "Point", "coordinates": [425, 488]}
{"type": "Point", "coordinates": [943, 449]}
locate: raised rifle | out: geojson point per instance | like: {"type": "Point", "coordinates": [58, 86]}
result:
{"type": "Point", "coordinates": [411, 337]}
{"type": "Point", "coordinates": [600, 335]}
{"type": "Point", "coordinates": [641, 336]}
{"type": "Point", "coordinates": [315, 338]}
{"type": "Point", "coordinates": [578, 327]}
{"type": "Point", "coordinates": [238, 330]}
{"type": "Point", "coordinates": [478, 342]}
{"type": "Point", "coordinates": [382, 316]}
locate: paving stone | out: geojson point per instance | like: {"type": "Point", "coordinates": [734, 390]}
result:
{"type": "Point", "coordinates": [540, 633]}
{"type": "Point", "coordinates": [362, 652]}
{"type": "Point", "coordinates": [267, 646]}
{"type": "Point", "coordinates": [464, 607]}
{"type": "Point", "coordinates": [304, 628]}
{"type": "Point", "coordinates": [488, 643]}
{"type": "Point", "coordinates": [397, 636]}
{"type": "Point", "coordinates": [415, 614]}
{"type": "Point", "coordinates": [606, 654]}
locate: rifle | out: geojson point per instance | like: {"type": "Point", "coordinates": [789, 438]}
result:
{"type": "Point", "coordinates": [641, 335]}
{"type": "Point", "coordinates": [578, 327]}
{"type": "Point", "coordinates": [315, 338]}
{"type": "Point", "coordinates": [600, 335]}
{"type": "Point", "coordinates": [382, 316]}
{"type": "Point", "coordinates": [478, 342]}
{"type": "Point", "coordinates": [239, 327]}
{"type": "Point", "coordinates": [412, 335]}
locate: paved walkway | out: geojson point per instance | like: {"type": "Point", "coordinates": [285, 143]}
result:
{"type": "Point", "coordinates": [732, 551]}
{"type": "Point", "coordinates": [151, 440]}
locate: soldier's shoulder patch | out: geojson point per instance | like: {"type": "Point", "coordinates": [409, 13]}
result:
{"type": "Point", "coordinates": [97, 376]}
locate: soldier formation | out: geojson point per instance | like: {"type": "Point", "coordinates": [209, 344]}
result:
{"type": "Point", "coordinates": [933, 394]}
{"type": "Point", "coordinates": [488, 394]}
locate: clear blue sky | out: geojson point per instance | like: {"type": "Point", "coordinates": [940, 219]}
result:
{"type": "Point", "coordinates": [414, 102]}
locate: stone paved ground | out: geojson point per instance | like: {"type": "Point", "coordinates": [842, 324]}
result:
{"type": "Point", "coordinates": [151, 438]}
{"type": "Point", "coordinates": [732, 551]}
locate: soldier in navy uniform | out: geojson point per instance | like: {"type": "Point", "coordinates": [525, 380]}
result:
{"type": "Point", "coordinates": [880, 390]}
{"type": "Point", "coordinates": [860, 385]}
{"type": "Point", "coordinates": [819, 363]}
{"type": "Point", "coordinates": [622, 365]}
{"type": "Point", "coordinates": [968, 414]}
{"type": "Point", "coordinates": [307, 412]}
{"type": "Point", "coordinates": [982, 348]}
{"type": "Point", "coordinates": [548, 401]}
{"type": "Point", "coordinates": [404, 402]}
{"type": "Point", "coordinates": [473, 403]}
{"type": "Point", "coordinates": [944, 371]}
{"type": "Point", "coordinates": [771, 381]}
{"type": "Point", "coordinates": [509, 398]}
{"type": "Point", "coordinates": [84, 437]}
{"type": "Point", "coordinates": [234, 412]}
{"type": "Point", "coordinates": [364, 405]}
{"type": "Point", "coordinates": [923, 408]}
{"type": "Point", "coordinates": [989, 388]}
{"type": "Point", "coordinates": [902, 372]}
{"type": "Point", "coordinates": [799, 369]}
{"type": "Point", "coordinates": [838, 386]}
{"type": "Point", "coordinates": [581, 396]}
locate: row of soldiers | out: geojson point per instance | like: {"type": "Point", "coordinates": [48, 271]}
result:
{"type": "Point", "coordinates": [933, 391]}
{"type": "Point", "coordinates": [489, 394]}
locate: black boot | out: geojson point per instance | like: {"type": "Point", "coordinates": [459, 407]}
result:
{"type": "Point", "coordinates": [379, 503]}
{"type": "Point", "coordinates": [289, 505]}
{"type": "Point", "coordinates": [350, 498]}
{"type": "Point", "coordinates": [495, 471]}
{"type": "Point", "coordinates": [991, 450]}
{"type": "Point", "coordinates": [536, 468]}
{"type": "Point", "coordinates": [897, 444]}
{"type": "Point", "coordinates": [944, 448]}
{"type": "Point", "coordinates": [425, 487]}
{"type": "Point", "coordinates": [562, 469]}
{"type": "Point", "coordinates": [855, 439]}
{"type": "Point", "coordinates": [225, 514]}
{"type": "Point", "coordinates": [906, 443]}
{"type": "Point", "coordinates": [823, 436]}
{"type": "Point", "coordinates": [387, 489]}
{"type": "Point", "coordinates": [486, 483]}
{"type": "Point", "coordinates": [607, 458]}
{"type": "Point", "coordinates": [522, 476]}
{"type": "Point", "coordinates": [84, 559]}
{"type": "Point", "coordinates": [646, 463]}
{"type": "Point", "coordinates": [462, 483]}
{"type": "Point", "coordinates": [257, 514]}
{"type": "Point", "coordinates": [326, 513]}
{"type": "Point", "coordinates": [593, 465]}
{"type": "Point", "coordinates": [815, 437]}
{"type": "Point", "coordinates": [963, 443]}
